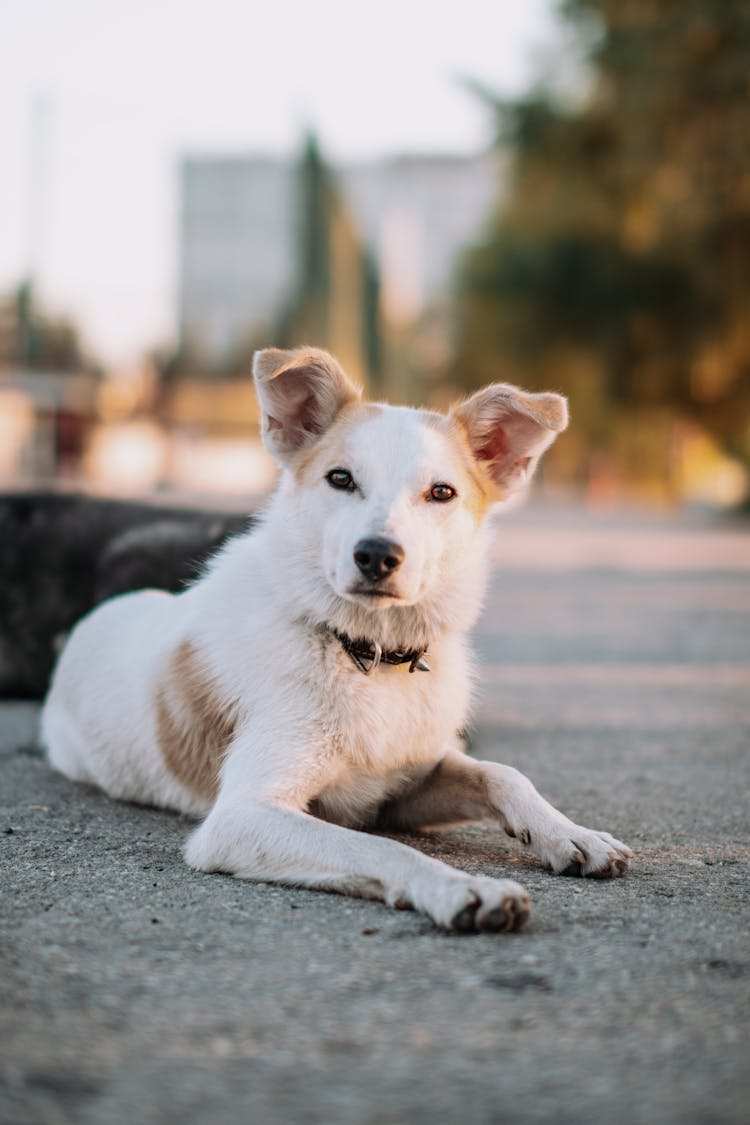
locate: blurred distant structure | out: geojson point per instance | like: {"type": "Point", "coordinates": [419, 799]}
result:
{"type": "Point", "coordinates": [333, 298]}
{"type": "Point", "coordinates": [32, 340]}
{"type": "Point", "coordinates": [617, 266]}
{"type": "Point", "coordinates": [601, 248]}
{"type": "Point", "coordinates": [63, 422]}
{"type": "Point", "coordinates": [237, 252]}
{"type": "Point", "coordinates": [47, 391]}
{"type": "Point", "coordinates": [273, 251]}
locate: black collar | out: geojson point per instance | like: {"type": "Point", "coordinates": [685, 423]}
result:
{"type": "Point", "coordinates": [368, 655]}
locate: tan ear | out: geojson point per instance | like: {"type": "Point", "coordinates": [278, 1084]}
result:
{"type": "Point", "coordinates": [509, 429]}
{"type": "Point", "coordinates": [300, 393]}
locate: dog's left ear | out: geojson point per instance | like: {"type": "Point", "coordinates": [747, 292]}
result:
{"type": "Point", "coordinates": [300, 393]}
{"type": "Point", "coordinates": [509, 429]}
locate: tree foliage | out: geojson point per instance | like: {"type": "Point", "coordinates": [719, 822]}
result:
{"type": "Point", "coordinates": [622, 243]}
{"type": "Point", "coordinates": [31, 339]}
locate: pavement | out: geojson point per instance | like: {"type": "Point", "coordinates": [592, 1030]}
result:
{"type": "Point", "coordinates": [616, 674]}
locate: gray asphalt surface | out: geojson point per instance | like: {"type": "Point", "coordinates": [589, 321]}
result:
{"type": "Point", "coordinates": [616, 668]}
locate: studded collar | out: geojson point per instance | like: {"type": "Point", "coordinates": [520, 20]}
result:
{"type": "Point", "coordinates": [369, 655]}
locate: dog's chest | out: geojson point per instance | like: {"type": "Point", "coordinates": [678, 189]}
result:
{"type": "Point", "coordinates": [354, 799]}
{"type": "Point", "coordinates": [384, 735]}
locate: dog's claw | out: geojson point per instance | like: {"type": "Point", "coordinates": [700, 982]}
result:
{"type": "Point", "coordinates": [506, 918]}
{"type": "Point", "coordinates": [490, 913]}
{"type": "Point", "coordinates": [615, 870]}
{"type": "Point", "coordinates": [465, 921]}
{"type": "Point", "coordinates": [577, 864]}
{"type": "Point", "coordinates": [520, 915]}
{"type": "Point", "coordinates": [574, 869]}
{"type": "Point", "coordinates": [495, 921]}
{"type": "Point", "coordinates": [582, 852]}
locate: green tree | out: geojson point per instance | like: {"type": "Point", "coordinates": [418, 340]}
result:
{"type": "Point", "coordinates": [31, 339]}
{"type": "Point", "coordinates": [621, 250]}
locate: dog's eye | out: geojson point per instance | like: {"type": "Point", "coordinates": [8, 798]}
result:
{"type": "Point", "coordinates": [442, 492]}
{"type": "Point", "coordinates": [342, 479]}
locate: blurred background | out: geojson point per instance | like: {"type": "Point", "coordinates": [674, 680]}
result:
{"type": "Point", "coordinates": [553, 194]}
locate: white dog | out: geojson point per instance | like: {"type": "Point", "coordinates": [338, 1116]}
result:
{"type": "Point", "coordinates": [311, 684]}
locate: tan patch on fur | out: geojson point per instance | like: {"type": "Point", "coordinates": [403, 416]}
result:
{"type": "Point", "coordinates": [194, 726]}
{"type": "Point", "coordinates": [482, 492]}
{"type": "Point", "coordinates": [451, 793]}
{"type": "Point", "coordinates": [319, 455]}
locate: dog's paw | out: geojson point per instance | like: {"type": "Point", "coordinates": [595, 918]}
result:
{"type": "Point", "coordinates": [573, 850]}
{"type": "Point", "coordinates": [477, 904]}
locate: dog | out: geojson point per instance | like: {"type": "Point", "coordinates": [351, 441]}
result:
{"type": "Point", "coordinates": [311, 684]}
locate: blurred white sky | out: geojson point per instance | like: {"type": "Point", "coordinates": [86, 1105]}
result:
{"type": "Point", "coordinates": [123, 88]}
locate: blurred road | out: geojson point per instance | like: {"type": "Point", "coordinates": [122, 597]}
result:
{"type": "Point", "coordinates": [615, 658]}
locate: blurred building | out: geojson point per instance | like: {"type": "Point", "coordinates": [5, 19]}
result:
{"type": "Point", "coordinates": [237, 256]}
{"type": "Point", "coordinates": [47, 393]}
{"type": "Point", "coordinates": [417, 213]}
{"type": "Point", "coordinates": [260, 237]}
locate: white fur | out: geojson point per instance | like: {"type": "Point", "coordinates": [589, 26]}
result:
{"type": "Point", "coordinates": [311, 730]}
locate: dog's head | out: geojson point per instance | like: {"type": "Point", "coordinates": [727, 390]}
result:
{"type": "Point", "coordinates": [386, 502]}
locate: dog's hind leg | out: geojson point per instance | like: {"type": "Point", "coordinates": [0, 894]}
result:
{"type": "Point", "coordinates": [461, 789]}
{"type": "Point", "coordinates": [64, 746]}
{"type": "Point", "coordinates": [275, 843]}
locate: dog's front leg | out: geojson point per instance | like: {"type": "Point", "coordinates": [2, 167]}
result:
{"type": "Point", "coordinates": [273, 842]}
{"type": "Point", "coordinates": [461, 788]}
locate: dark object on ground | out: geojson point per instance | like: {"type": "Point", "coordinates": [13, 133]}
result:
{"type": "Point", "coordinates": [60, 555]}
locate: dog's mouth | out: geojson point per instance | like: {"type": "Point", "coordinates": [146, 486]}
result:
{"type": "Point", "coordinates": [374, 593]}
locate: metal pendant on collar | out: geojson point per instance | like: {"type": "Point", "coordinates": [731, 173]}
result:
{"type": "Point", "coordinates": [360, 658]}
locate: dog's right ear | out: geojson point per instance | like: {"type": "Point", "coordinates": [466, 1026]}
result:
{"type": "Point", "coordinates": [508, 430]}
{"type": "Point", "coordinates": [300, 393]}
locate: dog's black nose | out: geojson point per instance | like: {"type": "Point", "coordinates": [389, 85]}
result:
{"type": "Point", "coordinates": [377, 558]}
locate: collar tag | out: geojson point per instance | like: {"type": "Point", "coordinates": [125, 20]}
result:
{"type": "Point", "coordinates": [361, 660]}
